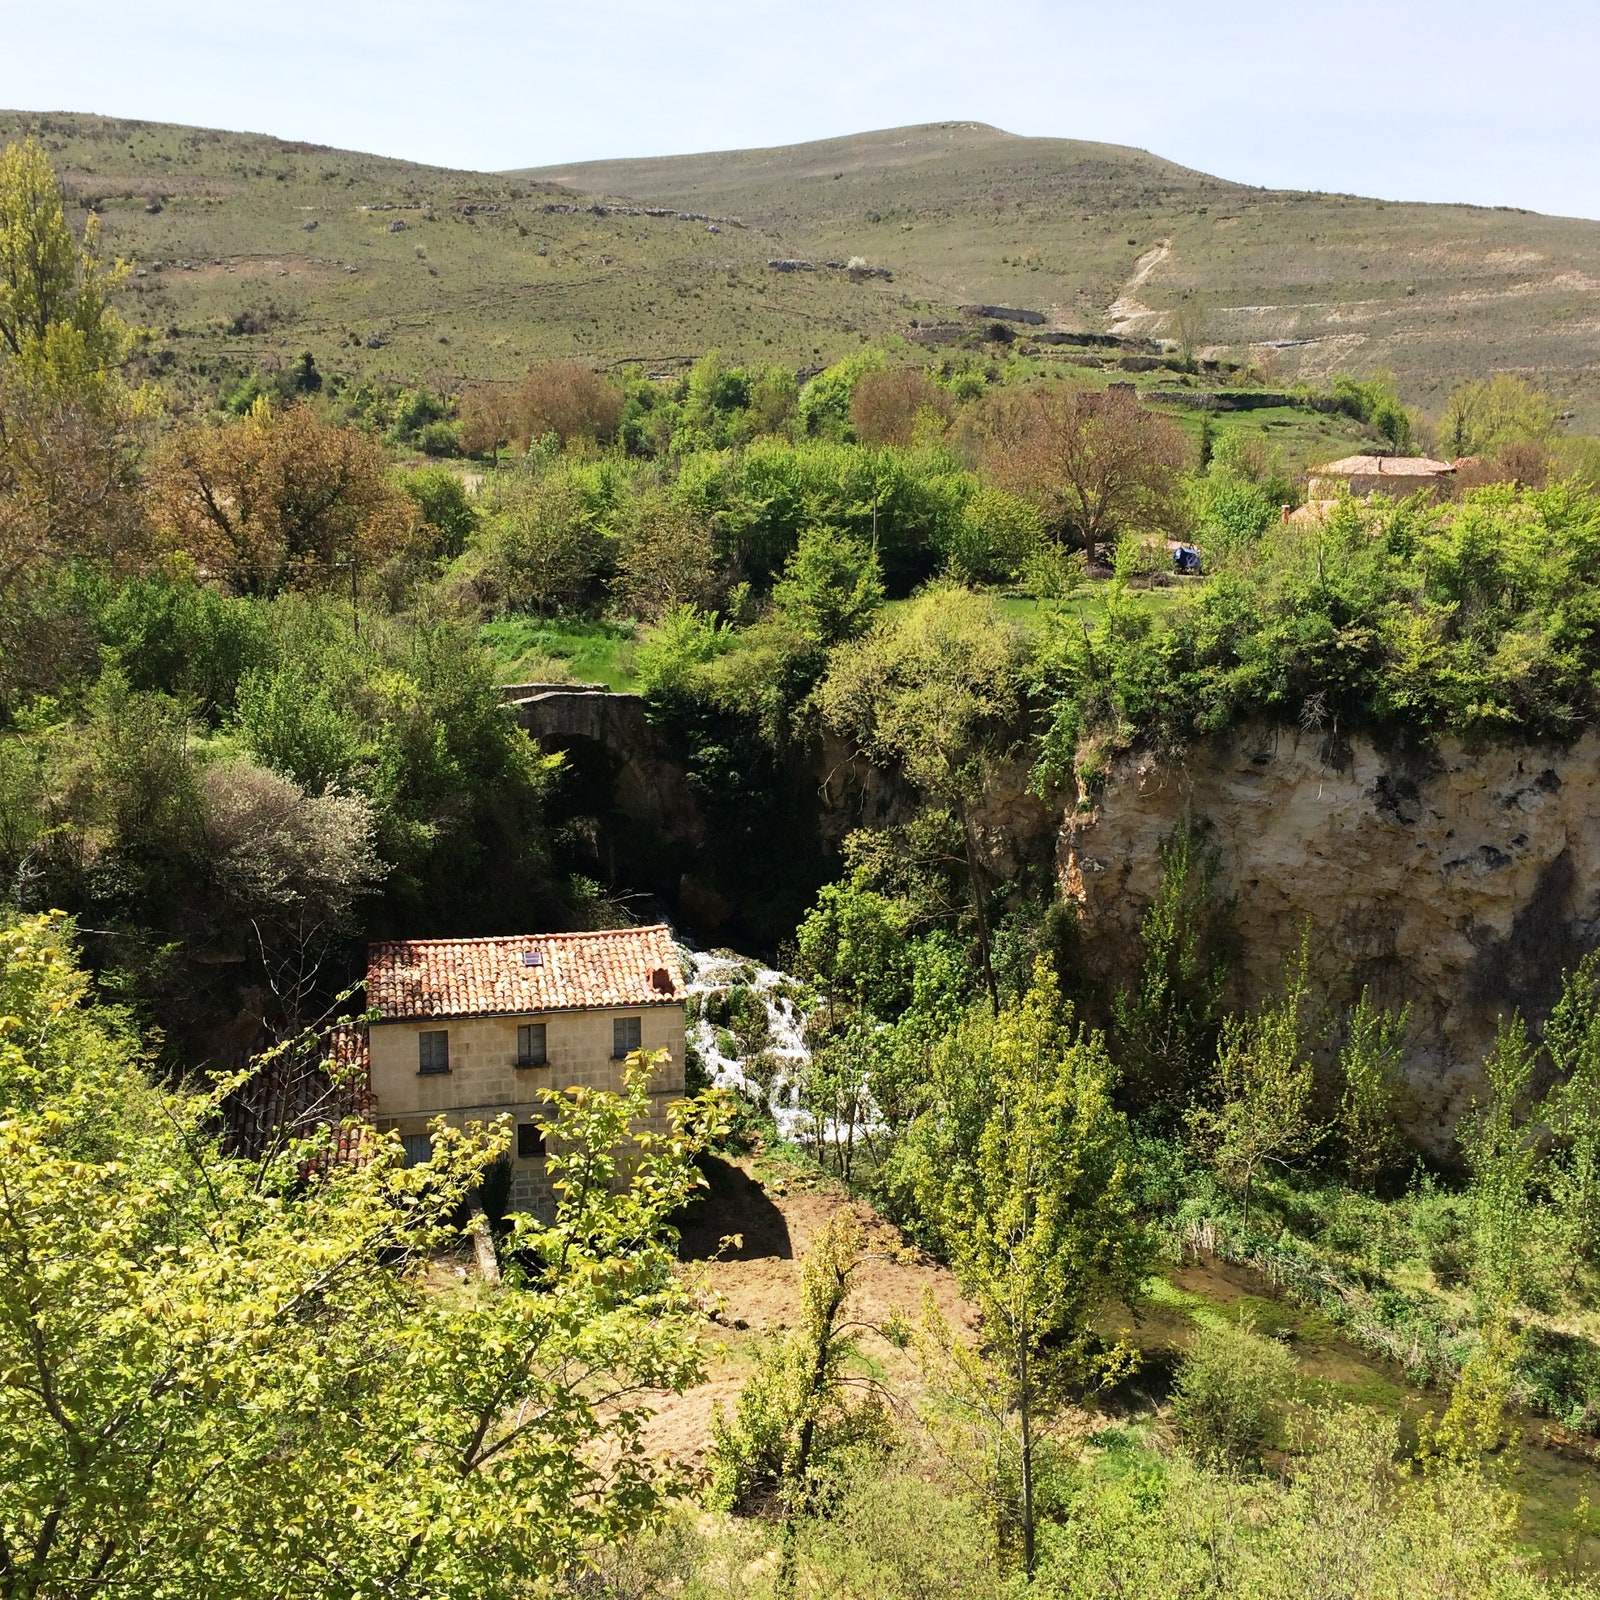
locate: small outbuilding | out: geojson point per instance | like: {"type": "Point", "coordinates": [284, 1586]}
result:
{"type": "Point", "coordinates": [1397, 476]}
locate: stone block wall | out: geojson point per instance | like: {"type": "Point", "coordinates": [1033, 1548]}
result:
{"type": "Point", "coordinates": [484, 1081]}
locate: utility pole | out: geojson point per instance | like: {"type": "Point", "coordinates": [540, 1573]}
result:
{"type": "Point", "coordinates": [876, 458]}
{"type": "Point", "coordinates": [355, 607]}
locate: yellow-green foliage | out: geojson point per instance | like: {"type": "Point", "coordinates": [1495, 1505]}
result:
{"type": "Point", "coordinates": [229, 1378]}
{"type": "Point", "coordinates": [796, 1414]}
{"type": "Point", "coordinates": [1229, 1391]}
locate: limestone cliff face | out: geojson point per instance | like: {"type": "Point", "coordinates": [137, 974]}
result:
{"type": "Point", "coordinates": [1460, 882]}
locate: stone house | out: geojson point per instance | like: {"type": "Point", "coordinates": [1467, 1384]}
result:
{"type": "Point", "coordinates": [1397, 476]}
{"type": "Point", "coordinates": [474, 1029]}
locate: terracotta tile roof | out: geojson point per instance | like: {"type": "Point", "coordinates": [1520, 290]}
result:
{"type": "Point", "coordinates": [1383, 467]}
{"type": "Point", "coordinates": [293, 1093]}
{"type": "Point", "coordinates": [613, 968]}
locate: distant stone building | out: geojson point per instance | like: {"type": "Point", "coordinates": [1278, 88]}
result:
{"type": "Point", "coordinates": [1396, 476]}
{"type": "Point", "coordinates": [472, 1029]}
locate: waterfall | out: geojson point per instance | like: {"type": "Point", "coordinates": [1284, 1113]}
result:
{"type": "Point", "coordinates": [764, 1060]}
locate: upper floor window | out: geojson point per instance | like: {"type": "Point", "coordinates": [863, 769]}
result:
{"type": "Point", "coordinates": [433, 1051]}
{"type": "Point", "coordinates": [531, 1044]}
{"type": "Point", "coordinates": [625, 1037]}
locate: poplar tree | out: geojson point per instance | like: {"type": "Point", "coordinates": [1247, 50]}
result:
{"type": "Point", "coordinates": [1029, 1186]}
{"type": "Point", "coordinates": [1572, 1113]}
{"type": "Point", "coordinates": [1261, 1110]}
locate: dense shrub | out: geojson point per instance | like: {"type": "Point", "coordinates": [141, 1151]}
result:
{"type": "Point", "coordinates": [567, 399]}
{"type": "Point", "coordinates": [1482, 618]}
{"type": "Point", "coordinates": [446, 509]}
{"type": "Point", "coordinates": [1230, 1388]}
{"type": "Point", "coordinates": [824, 404]}
{"type": "Point", "coordinates": [547, 544]}
{"type": "Point", "coordinates": [892, 407]}
{"type": "Point", "coordinates": [170, 634]}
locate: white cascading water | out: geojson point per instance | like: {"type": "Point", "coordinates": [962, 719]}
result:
{"type": "Point", "coordinates": [709, 973]}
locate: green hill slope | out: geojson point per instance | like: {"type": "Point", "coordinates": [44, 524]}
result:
{"type": "Point", "coordinates": [392, 269]}
{"type": "Point", "coordinates": [1104, 237]}
{"type": "Point", "coordinates": [249, 249]}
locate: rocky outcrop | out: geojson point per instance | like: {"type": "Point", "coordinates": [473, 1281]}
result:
{"type": "Point", "coordinates": [1460, 882]}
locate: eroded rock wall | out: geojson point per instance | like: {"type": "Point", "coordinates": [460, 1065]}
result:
{"type": "Point", "coordinates": [1460, 882]}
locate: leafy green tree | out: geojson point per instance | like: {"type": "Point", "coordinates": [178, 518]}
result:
{"type": "Point", "coordinates": [824, 403]}
{"type": "Point", "coordinates": [300, 719]}
{"type": "Point", "coordinates": [996, 539]}
{"type": "Point", "coordinates": [1025, 1177]}
{"type": "Point", "coordinates": [836, 1092]}
{"type": "Point", "coordinates": [171, 634]}
{"type": "Point", "coordinates": [54, 291]}
{"type": "Point", "coordinates": [830, 585]}
{"type": "Point", "coordinates": [1377, 403]}
{"type": "Point", "coordinates": [1262, 1084]}
{"type": "Point", "coordinates": [69, 429]}
{"type": "Point", "coordinates": [796, 1413]}
{"type": "Point", "coordinates": [1483, 416]}
{"type": "Point", "coordinates": [715, 402]}
{"type": "Point", "coordinates": [774, 397]}
{"type": "Point", "coordinates": [1474, 1423]}
{"type": "Point", "coordinates": [853, 943]}
{"type": "Point", "coordinates": [1166, 1029]}
{"type": "Point", "coordinates": [1499, 1141]}
{"type": "Point", "coordinates": [546, 545]}
{"type": "Point", "coordinates": [444, 506]}
{"type": "Point", "coordinates": [1572, 1113]}
{"type": "Point", "coordinates": [1369, 1064]}
{"type": "Point", "coordinates": [234, 1378]}
{"type": "Point", "coordinates": [935, 690]}
{"type": "Point", "coordinates": [667, 558]}
{"type": "Point", "coordinates": [682, 641]}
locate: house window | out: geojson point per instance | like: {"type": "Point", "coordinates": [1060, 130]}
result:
{"type": "Point", "coordinates": [433, 1051]}
{"type": "Point", "coordinates": [624, 1037]}
{"type": "Point", "coordinates": [419, 1148]}
{"type": "Point", "coordinates": [530, 1044]}
{"type": "Point", "coordinates": [530, 1140]}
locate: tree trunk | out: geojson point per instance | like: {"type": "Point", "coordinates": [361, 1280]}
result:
{"type": "Point", "coordinates": [483, 1241]}
{"type": "Point", "coordinates": [1025, 1405]}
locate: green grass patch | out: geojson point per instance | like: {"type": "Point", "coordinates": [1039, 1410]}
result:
{"type": "Point", "coordinates": [535, 650]}
{"type": "Point", "coordinates": [1089, 603]}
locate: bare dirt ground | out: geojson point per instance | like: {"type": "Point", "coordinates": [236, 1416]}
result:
{"type": "Point", "coordinates": [752, 1288]}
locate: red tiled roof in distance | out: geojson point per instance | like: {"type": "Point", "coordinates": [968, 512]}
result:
{"type": "Point", "coordinates": [606, 970]}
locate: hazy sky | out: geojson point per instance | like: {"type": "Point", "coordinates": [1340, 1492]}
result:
{"type": "Point", "coordinates": [1405, 99]}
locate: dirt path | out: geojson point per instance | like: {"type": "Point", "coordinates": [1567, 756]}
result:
{"type": "Point", "coordinates": [753, 1288]}
{"type": "Point", "coordinates": [1126, 312]}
